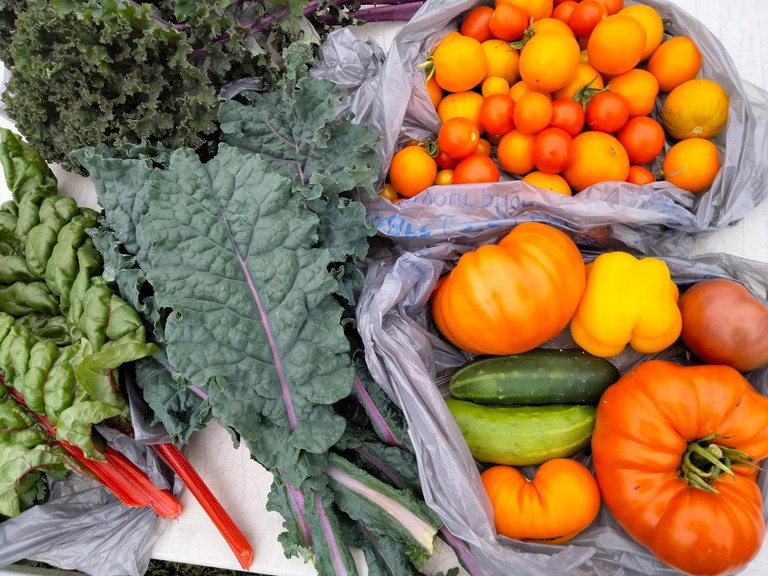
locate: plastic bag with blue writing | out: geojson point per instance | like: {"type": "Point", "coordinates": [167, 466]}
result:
{"type": "Point", "coordinates": [411, 360]}
{"type": "Point", "coordinates": [391, 98]}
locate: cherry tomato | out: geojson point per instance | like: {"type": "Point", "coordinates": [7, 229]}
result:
{"type": "Point", "coordinates": [508, 22]}
{"type": "Point", "coordinates": [640, 175]}
{"type": "Point", "coordinates": [388, 192]}
{"type": "Point", "coordinates": [475, 23]}
{"type": "Point", "coordinates": [412, 170]}
{"type": "Point", "coordinates": [550, 149]}
{"type": "Point", "coordinates": [497, 114]}
{"type": "Point", "coordinates": [564, 10]}
{"type": "Point", "coordinates": [474, 169]}
{"type": "Point", "coordinates": [483, 147]}
{"type": "Point", "coordinates": [568, 115]}
{"type": "Point", "coordinates": [586, 16]}
{"type": "Point", "coordinates": [643, 137]}
{"type": "Point", "coordinates": [444, 161]}
{"type": "Point", "coordinates": [607, 112]}
{"type": "Point", "coordinates": [458, 137]}
{"type": "Point", "coordinates": [444, 177]}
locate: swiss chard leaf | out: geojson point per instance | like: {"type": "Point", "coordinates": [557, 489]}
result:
{"type": "Point", "coordinates": [253, 314]}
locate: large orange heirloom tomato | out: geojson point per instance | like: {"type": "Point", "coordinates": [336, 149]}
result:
{"type": "Point", "coordinates": [559, 502]}
{"type": "Point", "coordinates": [675, 451]}
{"type": "Point", "coordinates": [512, 296]}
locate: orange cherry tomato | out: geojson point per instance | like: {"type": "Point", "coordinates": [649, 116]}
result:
{"type": "Point", "coordinates": [692, 164]}
{"type": "Point", "coordinates": [607, 112]}
{"type": "Point", "coordinates": [521, 87]}
{"type": "Point", "coordinates": [585, 75]}
{"type": "Point", "coordinates": [514, 152]}
{"type": "Point", "coordinates": [616, 44]}
{"type": "Point", "coordinates": [508, 22]}
{"type": "Point", "coordinates": [640, 175]}
{"type": "Point", "coordinates": [612, 6]}
{"type": "Point", "coordinates": [459, 63]}
{"type": "Point", "coordinates": [475, 23]}
{"type": "Point", "coordinates": [643, 137]}
{"type": "Point", "coordinates": [444, 177]}
{"type": "Point", "coordinates": [483, 147]}
{"type": "Point", "coordinates": [412, 170]}
{"type": "Point", "coordinates": [639, 87]}
{"type": "Point", "coordinates": [568, 115]}
{"type": "Point", "coordinates": [434, 91]}
{"type": "Point", "coordinates": [388, 192]}
{"type": "Point", "coordinates": [458, 137]}
{"type": "Point", "coordinates": [675, 61]}
{"type": "Point", "coordinates": [536, 9]}
{"type": "Point", "coordinates": [497, 114]}
{"type": "Point", "coordinates": [595, 157]}
{"type": "Point", "coordinates": [474, 169]}
{"type": "Point", "coordinates": [494, 85]}
{"type": "Point", "coordinates": [553, 182]}
{"type": "Point", "coordinates": [653, 24]}
{"type": "Point", "coordinates": [533, 112]}
{"type": "Point", "coordinates": [550, 149]}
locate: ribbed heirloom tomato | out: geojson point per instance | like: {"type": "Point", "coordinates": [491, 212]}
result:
{"type": "Point", "coordinates": [664, 437]}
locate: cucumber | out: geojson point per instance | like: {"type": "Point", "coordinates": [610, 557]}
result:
{"type": "Point", "coordinates": [522, 435]}
{"type": "Point", "coordinates": [539, 376]}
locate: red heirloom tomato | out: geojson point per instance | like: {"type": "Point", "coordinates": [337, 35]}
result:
{"type": "Point", "coordinates": [723, 323]}
{"type": "Point", "coordinates": [607, 112]}
{"type": "Point", "coordinates": [474, 169]}
{"type": "Point", "coordinates": [458, 137]}
{"type": "Point", "coordinates": [512, 296]}
{"type": "Point", "coordinates": [550, 149]}
{"type": "Point", "coordinates": [664, 437]}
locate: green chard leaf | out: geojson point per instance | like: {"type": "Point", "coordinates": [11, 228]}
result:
{"type": "Point", "coordinates": [253, 314]}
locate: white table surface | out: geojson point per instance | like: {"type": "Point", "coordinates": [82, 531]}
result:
{"type": "Point", "coordinates": [242, 485]}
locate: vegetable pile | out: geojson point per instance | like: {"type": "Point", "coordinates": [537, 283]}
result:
{"type": "Point", "coordinates": [565, 95]}
{"type": "Point", "coordinates": [676, 448]}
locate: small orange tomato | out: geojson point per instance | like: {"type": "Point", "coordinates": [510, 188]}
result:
{"type": "Point", "coordinates": [494, 85]}
{"type": "Point", "coordinates": [532, 112]}
{"type": "Point", "coordinates": [595, 157]}
{"type": "Point", "coordinates": [553, 182]}
{"type": "Point", "coordinates": [692, 164]}
{"type": "Point", "coordinates": [503, 60]}
{"type": "Point", "coordinates": [548, 61]}
{"type": "Point", "coordinates": [483, 147]}
{"type": "Point", "coordinates": [616, 44]}
{"type": "Point", "coordinates": [675, 61]}
{"type": "Point", "coordinates": [639, 87]}
{"type": "Point", "coordinates": [515, 152]}
{"type": "Point", "coordinates": [388, 192]}
{"type": "Point", "coordinates": [459, 63]}
{"type": "Point", "coordinates": [475, 169]}
{"type": "Point", "coordinates": [536, 9]}
{"type": "Point", "coordinates": [585, 75]}
{"type": "Point", "coordinates": [560, 502]}
{"type": "Point", "coordinates": [444, 177]}
{"type": "Point", "coordinates": [412, 170]}
{"type": "Point", "coordinates": [612, 6]}
{"type": "Point", "coordinates": [465, 104]}
{"type": "Point", "coordinates": [434, 91]}
{"type": "Point", "coordinates": [519, 88]}
{"type": "Point", "coordinates": [639, 175]}
{"type": "Point", "coordinates": [651, 21]}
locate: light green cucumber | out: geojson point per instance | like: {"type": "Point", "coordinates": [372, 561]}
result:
{"type": "Point", "coordinates": [522, 435]}
{"type": "Point", "coordinates": [539, 376]}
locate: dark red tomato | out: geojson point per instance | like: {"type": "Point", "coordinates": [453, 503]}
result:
{"type": "Point", "coordinates": [445, 162]}
{"type": "Point", "coordinates": [458, 137]}
{"type": "Point", "coordinates": [497, 113]}
{"type": "Point", "coordinates": [640, 175]}
{"type": "Point", "coordinates": [474, 169]}
{"type": "Point", "coordinates": [508, 22]}
{"type": "Point", "coordinates": [568, 115]}
{"type": "Point", "coordinates": [643, 137]}
{"type": "Point", "coordinates": [607, 112]}
{"type": "Point", "coordinates": [550, 149]}
{"type": "Point", "coordinates": [475, 23]}
{"type": "Point", "coordinates": [564, 10]}
{"type": "Point", "coordinates": [586, 16]}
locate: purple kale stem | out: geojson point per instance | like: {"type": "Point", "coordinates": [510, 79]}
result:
{"type": "Point", "coordinates": [382, 467]}
{"type": "Point", "coordinates": [194, 389]}
{"type": "Point", "coordinates": [395, 13]}
{"type": "Point", "coordinates": [297, 501]}
{"type": "Point", "coordinates": [463, 552]}
{"type": "Point", "coordinates": [373, 413]}
{"type": "Point", "coordinates": [287, 400]}
{"type": "Point", "coordinates": [330, 538]}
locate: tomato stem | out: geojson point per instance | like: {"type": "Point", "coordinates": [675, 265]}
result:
{"type": "Point", "coordinates": [704, 462]}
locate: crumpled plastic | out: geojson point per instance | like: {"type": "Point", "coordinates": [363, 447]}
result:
{"type": "Point", "coordinates": [390, 97]}
{"type": "Point", "coordinates": [408, 357]}
{"type": "Point", "coordinates": [84, 527]}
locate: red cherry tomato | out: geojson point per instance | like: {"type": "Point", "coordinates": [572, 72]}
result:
{"type": "Point", "coordinates": [607, 112]}
{"type": "Point", "coordinates": [640, 175]}
{"type": "Point", "coordinates": [643, 137]}
{"type": "Point", "coordinates": [445, 162]}
{"type": "Point", "coordinates": [497, 114]}
{"type": "Point", "coordinates": [508, 22]}
{"type": "Point", "coordinates": [564, 10]}
{"type": "Point", "coordinates": [458, 137]}
{"type": "Point", "coordinates": [474, 169]}
{"type": "Point", "coordinates": [586, 16]}
{"type": "Point", "coordinates": [568, 115]}
{"type": "Point", "coordinates": [475, 23]}
{"type": "Point", "coordinates": [550, 149]}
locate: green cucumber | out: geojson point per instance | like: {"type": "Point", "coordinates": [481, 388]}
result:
{"type": "Point", "coordinates": [522, 435]}
{"type": "Point", "coordinates": [539, 376]}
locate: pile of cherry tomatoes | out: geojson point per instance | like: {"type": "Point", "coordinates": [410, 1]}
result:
{"type": "Point", "coordinates": [565, 94]}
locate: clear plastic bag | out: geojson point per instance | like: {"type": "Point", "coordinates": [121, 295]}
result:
{"type": "Point", "coordinates": [413, 363]}
{"type": "Point", "coordinates": [389, 95]}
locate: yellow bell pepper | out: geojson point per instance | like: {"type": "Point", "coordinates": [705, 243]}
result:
{"type": "Point", "coordinates": [627, 301]}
